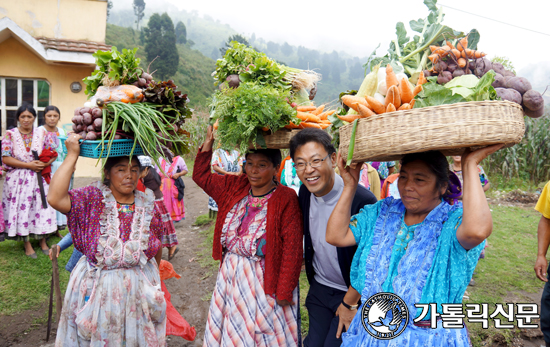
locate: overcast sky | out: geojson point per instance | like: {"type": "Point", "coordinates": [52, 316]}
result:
{"type": "Point", "coordinates": [358, 26]}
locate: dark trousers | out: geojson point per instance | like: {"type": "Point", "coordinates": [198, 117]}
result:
{"type": "Point", "coordinates": [545, 311]}
{"type": "Point", "coordinates": [322, 303]}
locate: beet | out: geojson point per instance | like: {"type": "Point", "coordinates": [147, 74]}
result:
{"type": "Point", "coordinates": [77, 111]}
{"type": "Point", "coordinates": [82, 134]}
{"type": "Point", "coordinates": [97, 113]}
{"type": "Point", "coordinates": [84, 110]}
{"type": "Point", "coordinates": [118, 137]}
{"type": "Point", "coordinates": [91, 136]}
{"type": "Point", "coordinates": [533, 100]}
{"type": "Point", "coordinates": [233, 81]}
{"type": "Point", "coordinates": [458, 73]}
{"type": "Point", "coordinates": [427, 73]}
{"type": "Point", "coordinates": [509, 73]}
{"type": "Point", "coordinates": [452, 67]}
{"type": "Point", "coordinates": [142, 82]}
{"type": "Point", "coordinates": [444, 77]}
{"type": "Point", "coordinates": [87, 119]}
{"type": "Point", "coordinates": [90, 128]}
{"type": "Point", "coordinates": [75, 128]}
{"type": "Point", "coordinates": [521, 84]}
{"type": "Point", "coordinates": [77, 119]}
{"type": "Point", "coordinates": [500, 81]}
{"type": "Point", "coordinates": [98, 122]}
{"type": "Point", "coordinates": [147, 76]}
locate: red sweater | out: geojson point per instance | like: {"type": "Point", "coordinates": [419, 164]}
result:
{"type": "Point", "coordinates": [284, 227]}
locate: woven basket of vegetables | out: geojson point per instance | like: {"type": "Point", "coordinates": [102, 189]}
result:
{"type": "Point", "coordinates": [277, 140]}
{"type": "Point", "coordinates": [447, 128]}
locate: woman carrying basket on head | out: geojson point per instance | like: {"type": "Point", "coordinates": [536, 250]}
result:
{"type": "Point", "coordinates": [418, 247]}
{"type": "Point", "coordinates": [258, 239]}
{"type": "Point", "coordinates": [114, 294]}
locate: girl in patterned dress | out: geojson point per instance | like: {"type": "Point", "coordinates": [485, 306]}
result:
{"type": "Point", "coordinates": [24, 216]}
{"type": "Point", "coordinates": [114, 295]}
{"type": "Point", "coordinates": [258, 239]}
{"type": "Point", "coordinates": [174, 168]}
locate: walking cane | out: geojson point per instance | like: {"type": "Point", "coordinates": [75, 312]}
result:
{"type": "Point", "coordinates": [40, 183]}
{"type": "Point", "coordinates": [58, 299]}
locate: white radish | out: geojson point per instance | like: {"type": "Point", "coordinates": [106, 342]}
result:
{"type": "Point", "coordinates": [380, 98]}
{"type": "Point", "coordinates": [382, 89]}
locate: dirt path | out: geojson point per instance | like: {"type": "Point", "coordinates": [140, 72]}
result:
{"type": "Point", "coordinates": [22, 330]}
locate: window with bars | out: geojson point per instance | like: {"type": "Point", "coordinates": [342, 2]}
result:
{"type": "Point", "coordinates": [14, 92]}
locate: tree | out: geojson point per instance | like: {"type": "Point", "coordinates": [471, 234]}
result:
{"type": "Point", "coordinates": [160, 43]}
{"type": "Point", "coordinates": [236, 37]}
{"type": "Point", "coordinates": [109, 7]}
{"type": "Point", "coordinates": [272, 47]}
{"type": "Point", "coordinates": [139, 7]}
{"type": "Point", "coordinates": [287, 49]}
{"type": "Point", "coordinates": [181, 33]}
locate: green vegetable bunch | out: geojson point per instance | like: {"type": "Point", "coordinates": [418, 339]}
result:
{"type": "Point", "coordinates": [114, 68]}
{"type": "Point", "coordinates": [165, 97]}
{"type": "Point", "coordinates": [244, 111]}
{"type": "Point", "coordinates": [411, 56]}
{"type": "Point", "coordinates": [461, 89]}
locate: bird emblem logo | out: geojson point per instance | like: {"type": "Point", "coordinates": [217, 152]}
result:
{"type": "Point", "coordinates": [385, 316]}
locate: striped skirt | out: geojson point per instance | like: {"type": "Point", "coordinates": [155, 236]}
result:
{"type": "Point", "coordinates": [169, 237]}
{"type": "Point", "coordinates": [241, 314]}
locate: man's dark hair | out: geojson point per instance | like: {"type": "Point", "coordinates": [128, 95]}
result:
{"type": "Point", "coordinates": [436, 162]}
{"type": "Point", "coordinates": [273, 155]}
{"type": "Point", "coordinates": [311, 135]}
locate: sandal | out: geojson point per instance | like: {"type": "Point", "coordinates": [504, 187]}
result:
{"type": "Point", "coordinates": [170, 256]}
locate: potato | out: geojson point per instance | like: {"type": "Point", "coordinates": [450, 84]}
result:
{"type": "Point", "coordinates": [534, 114]}
{"type": "Point", "coordinates": [533, 100]}
{"type": "Point", "coordinates": [500, 81]}
{"type": "Point", "coordinates": [521, 84]}
{"type": "Point", "coordinates": [498, 68]}
{"type": "Point", "coordinates": [509, 94]}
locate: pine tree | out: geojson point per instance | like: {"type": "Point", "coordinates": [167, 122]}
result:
{"type": "Point", "coordinates": [160, 40]}
{"type": "Point", "coordinates": [139, 7]}
{"type": "Point", "coordinates": [287, 49]}
{"type": "Point", "coordinates": [181, 33]}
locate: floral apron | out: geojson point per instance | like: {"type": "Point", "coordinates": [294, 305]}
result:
{"type": "Point", "coordinates": [117, 301]}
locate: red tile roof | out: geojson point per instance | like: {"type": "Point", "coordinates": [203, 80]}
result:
{"type": "Point", "coordinates": [72, 45]}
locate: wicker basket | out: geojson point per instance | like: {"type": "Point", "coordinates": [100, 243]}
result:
{"type": "Point", "coordinates": [447, 128]}
{"type": "Point", "coordinates": [279, 139]}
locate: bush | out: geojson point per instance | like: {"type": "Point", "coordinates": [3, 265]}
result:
{"type": "Point", "coordinates": [196, 126]}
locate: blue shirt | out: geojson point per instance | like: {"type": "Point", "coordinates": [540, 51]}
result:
{"type": "Point", "coordinates": [65, 243]}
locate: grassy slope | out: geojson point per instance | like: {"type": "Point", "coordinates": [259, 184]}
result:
{"type": "Point", "coordinates": [193, 75]}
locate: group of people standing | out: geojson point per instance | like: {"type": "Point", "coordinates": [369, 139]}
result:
{"type": "Point", "coordinates": [423, 246]}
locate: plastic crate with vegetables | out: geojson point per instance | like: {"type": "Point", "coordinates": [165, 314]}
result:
{"type": "Point", "coordinates": [128, 113]}
{"type": "Point", "coordinates": [261, 102]}
{"type": "Point", "coordinates": [436, 91]}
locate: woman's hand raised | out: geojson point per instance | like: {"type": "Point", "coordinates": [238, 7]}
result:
{"type": "Point", "coordinates": [209, 140]}
{"type": "Point", "coordinates": [73, 145]}
{"type": "Point", "coordinates": [350, 174]}
{"type": "Point", "coordinates": [478, 155]}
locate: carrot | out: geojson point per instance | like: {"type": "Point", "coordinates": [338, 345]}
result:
{"type": "Point", "coordinates": [433, 48]}
{"type": "Point", "coordinates": [325, 121]}
{"type": "Point", "coordinates": [393, 97]}
{"type": "Point", "coordinates": [376, 105]}
{"type": "Point", "coordinates": [216, 124]}
{"type": "Point", "coordinates": [306, 108]}
{"type": "Point", "coordinates": [391, 79]}
{"type": "Point", "coordinates": [265, 129]}
{"type": "Point", "coordinates": [124, 100]}
{"type": "Point", "coordinates": [350, 100]}
{"type": "Point", "coordinates": [405, 106]}
{"type": "Point", "coordinates": [478, 54]}
{"type": "Point", "coordinates": [390, 108]}
{"type": "Point", "coordinates": [325, 125]}
{"type": "Point", "coordinates": [446, 50]}
{"type": "Point", "coordinates": [365, 111]}
{"type": "Point", "coordinates": [417, 90]}
{"type": "Point", "coordinates": [421, 79]}
{"type": "Point", "coordinates": [324, 115]}
{"type": "Point", "coordinates": [405, 91]}
{"type": "Point", "coordinates": [319, 110]}
{"type": "Point", "coordinates": [449, 44]}
{"type": "Point", "coordinates": [304, 125]}
{"type": "Point", "coordinates": [308, 117]}
{"type": "Point", "coordinates": [349, 119]}
{"type": "Point", "coordinates": [434, 58]}
{"type": "Point", "coordinates": [291, 125]}
{"type": "Point", "coordinates": [462, 44]}
{"type": "Point", "coordinates": [461, 62]}
{"type": "Point", "coordinates": [456, 53]}
{"type": "Point", "coordinates": [412, 103]}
